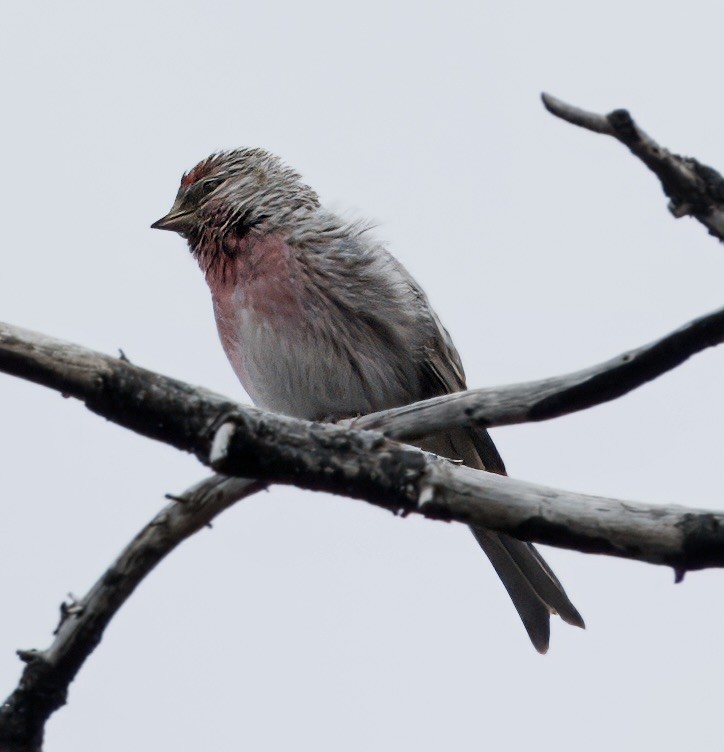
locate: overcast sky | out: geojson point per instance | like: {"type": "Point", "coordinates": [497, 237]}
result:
{"type": "Point", "coordinates": [310, 622]}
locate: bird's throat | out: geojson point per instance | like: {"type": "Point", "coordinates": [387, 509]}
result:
{"type": "Point", "coordinates": [258, 273]}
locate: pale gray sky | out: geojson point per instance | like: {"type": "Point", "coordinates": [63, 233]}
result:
{"type": "Point", "coordinates": [316, 623]}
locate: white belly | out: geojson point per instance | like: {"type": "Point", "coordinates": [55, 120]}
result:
{"type": "Point", "coordinates": [292, 366]}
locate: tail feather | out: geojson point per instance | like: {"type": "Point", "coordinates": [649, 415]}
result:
{"type": "Point", "coordinates": [557, 598]}
{"type": "Point", "coordinates": [534, 613]}
{"type": "Point", "coordinates": [534, 589]}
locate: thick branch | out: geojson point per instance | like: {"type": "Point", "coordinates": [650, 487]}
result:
{"type": "Point", "coordinates": [404, 480]}
{"type": "Point", "coordinates": [44, 684]}
{"type": "Point", "coordinates": [693, 188]}
{"type": "Point", "coordinates": [146, 402]}
{"type": "Point", "coordinates": [366, 465]}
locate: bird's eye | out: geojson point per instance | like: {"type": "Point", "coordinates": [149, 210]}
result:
{"type": "Point", "coordinates": [210, 185]}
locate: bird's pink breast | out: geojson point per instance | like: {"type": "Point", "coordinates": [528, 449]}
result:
{"type": "Point", "coordinates": [297, 344]}
{"type": "Point", "coordinates": [258, 307]}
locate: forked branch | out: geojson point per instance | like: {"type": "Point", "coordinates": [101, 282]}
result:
{"type": "Point", "coordinates": [361, 460]}
{"type": "Point", "coordinates": [362, 464]}
{"type": "Point", "coordinates": [343, 459]}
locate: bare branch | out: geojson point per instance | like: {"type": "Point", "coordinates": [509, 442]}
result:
{"type": "Point", "coordinates": [99, 380]}
{"type": "Point", "coordinates": [694, 189]}
{"type": "Point", "coordinates": [404, 480]}
{"type": "Point", "coordinates": [44, 684]}
{"type": "Point", "coordinates": [247, 442]}
{"type": "Point", "coordinates": [553, 397]}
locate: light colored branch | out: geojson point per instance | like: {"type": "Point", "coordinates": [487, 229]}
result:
{"type": "Point", "coordinates": [362, 464]}
{"type": "Point", "coordinates": [553, 397]}
{"type": "Point", "coordinates": [95, 378]}
{"type": "Point", "coordinates": [48, 673]}
{"type": "Point", "coordinates": [694, 189]}
{"type": "Point", "coordinates": [404, 480]}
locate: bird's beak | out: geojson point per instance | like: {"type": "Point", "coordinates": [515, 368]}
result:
{"type": "Point", "coordinates": [175, 221]}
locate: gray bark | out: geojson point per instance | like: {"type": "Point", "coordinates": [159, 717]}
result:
{"type": "Point", "coordinates": [554, 397]}
{"type": "Point", "coordinates": [346, 460]}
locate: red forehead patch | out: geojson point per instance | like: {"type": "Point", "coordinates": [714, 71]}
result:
{"type": "Point", "coordinates": [201, 170]}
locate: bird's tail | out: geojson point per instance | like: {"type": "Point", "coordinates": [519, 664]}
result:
{"type": "Point", "coordinates": [534, 589]}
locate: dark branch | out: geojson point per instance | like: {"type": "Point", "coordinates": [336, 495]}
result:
{"type": "Point", "coordinates": [694, 189]}
{"type": "Point", "coordinates": [44, 684]}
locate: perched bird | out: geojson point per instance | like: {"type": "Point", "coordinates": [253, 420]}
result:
{"type": "Point", "coordinates": [320, 322]}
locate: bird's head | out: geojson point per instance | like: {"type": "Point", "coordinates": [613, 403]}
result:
{"type": "Point", "coordinates": [235, 192]}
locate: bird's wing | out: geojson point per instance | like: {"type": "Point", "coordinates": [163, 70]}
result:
{"type": "Point", "coordinates": [530, 582]}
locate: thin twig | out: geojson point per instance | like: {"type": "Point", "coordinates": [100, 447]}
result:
{"type": "Point", "coordinates": [553, 397]}
{"type": "Point", "coordinates": [44, 684]}
{"type": "Point", "coordinates": [694, 189]}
